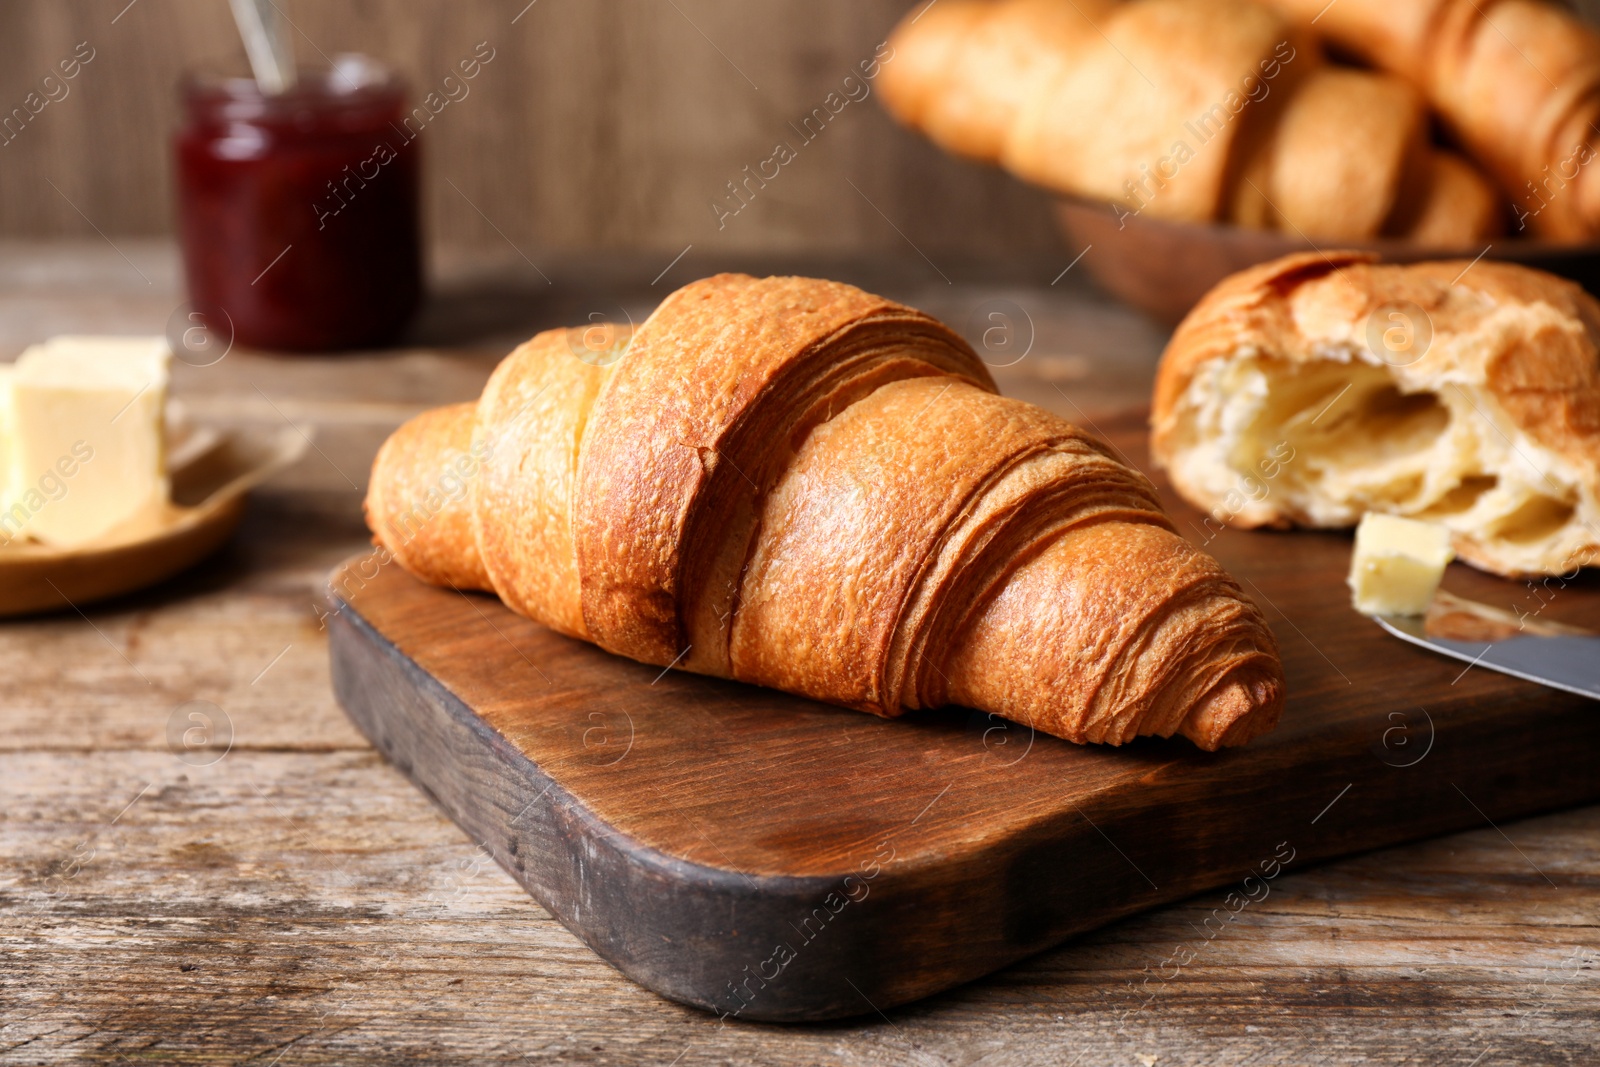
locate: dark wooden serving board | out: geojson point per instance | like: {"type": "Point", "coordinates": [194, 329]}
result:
{"type": "Point", "coordinates": [765, 857]}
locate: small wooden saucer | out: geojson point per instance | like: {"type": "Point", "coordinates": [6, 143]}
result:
{"type": "Point", "coordinates": [208, 498]}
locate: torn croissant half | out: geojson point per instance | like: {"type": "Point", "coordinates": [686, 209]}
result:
{"type": "Point", "coordinates": [797, 484]}
{"type": "Point", "coordinates": [1316, 388]}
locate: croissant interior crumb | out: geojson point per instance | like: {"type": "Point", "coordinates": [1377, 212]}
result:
{"type": "Point", "coordinates": [1322, 442]}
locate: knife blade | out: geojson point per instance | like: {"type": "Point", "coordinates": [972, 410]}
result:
{"type": "Point", "coordinates": [1560, 657]}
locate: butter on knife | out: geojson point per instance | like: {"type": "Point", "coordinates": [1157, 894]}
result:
{"type": "Point", "coordinates": [84, 446]}
{"type": "Point", "coordinates": [1397, 565]}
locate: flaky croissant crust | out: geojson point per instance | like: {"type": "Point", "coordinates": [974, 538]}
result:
{"type": "Point", "coordinates": [795, 483]}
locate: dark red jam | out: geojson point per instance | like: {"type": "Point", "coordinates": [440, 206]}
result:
{"type": "Point", "coordinates": [298, 212]}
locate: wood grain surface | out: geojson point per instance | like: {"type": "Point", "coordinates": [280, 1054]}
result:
{"type": "Point", "coordinates": [766, 857]}
{"type": "Point", "coordinates": [297, 899]}
{"type": "Point", "coordinates": [597, 124]}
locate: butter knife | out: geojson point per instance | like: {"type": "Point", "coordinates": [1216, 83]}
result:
{"type": "Point", "coordinates": [1562, 657]}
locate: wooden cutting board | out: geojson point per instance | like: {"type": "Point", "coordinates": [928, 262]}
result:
{"type": "Point", "coordinates": [765, 857]}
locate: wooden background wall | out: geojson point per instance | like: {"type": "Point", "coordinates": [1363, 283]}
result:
{"type": "Point", "coordinates": [599, 124]}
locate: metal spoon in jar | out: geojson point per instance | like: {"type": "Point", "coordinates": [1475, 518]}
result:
{"type": "Point", "coordinates": [267, 44]}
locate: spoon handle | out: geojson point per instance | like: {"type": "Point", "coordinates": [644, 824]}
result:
{"type": "Point", "coordinates": [266, 42]}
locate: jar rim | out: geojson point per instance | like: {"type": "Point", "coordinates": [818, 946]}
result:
{"type": "Point", "coordinates": [354, 81]}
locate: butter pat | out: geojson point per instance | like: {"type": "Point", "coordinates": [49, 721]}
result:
{"type": "Point", "coordinates": [87, 445]}
{"type": "Point", "coordinates": [1397, 565]}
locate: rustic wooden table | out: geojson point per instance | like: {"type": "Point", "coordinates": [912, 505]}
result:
{"type": "Point", "coordinates": [284, 896]}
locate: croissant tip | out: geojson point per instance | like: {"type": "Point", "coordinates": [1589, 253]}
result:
{"type": "Point", "coordinates": [1234, 711]}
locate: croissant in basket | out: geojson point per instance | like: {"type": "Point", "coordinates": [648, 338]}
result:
{"type": "Point", "coordinates": [1517, 82]}
{"type": "Point", "coordinates": [1316, 388]}
{"type": "Point", "coordinates": [1187, 110]}
{"type": "Point", "coordinates": [795, 483]}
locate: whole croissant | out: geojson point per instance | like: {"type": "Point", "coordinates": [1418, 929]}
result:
{"type": "Point", "coordinates": [795, 483]}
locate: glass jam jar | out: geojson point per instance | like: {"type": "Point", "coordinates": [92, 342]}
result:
{"type": "Point", "coordinates": [298, 212]}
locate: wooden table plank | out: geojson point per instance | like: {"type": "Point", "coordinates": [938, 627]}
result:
{"type": "Point", "coordinates": [328, 913]}
{"type": "Point", "coordinates": [241, 631]}
{"type": "Point", "coordinates": [320, 903]}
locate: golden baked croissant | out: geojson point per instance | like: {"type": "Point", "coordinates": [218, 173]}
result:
{"type": "Point", "coordinates": [1447, 203]}
{"type": "Point", "coordinates": [963, 70]}
{"type": "Point", "coordinates": [795, 483]}
{"type": "Point", "coordinates": [1303, 176]}
{"type": "Point", "coordinates": [1516, 81]}
{"type": "Point", "coordinates": [1192, 110]}
{"type": "Point", "coordinates": [1315, 388]}
{"type": "Point", "coordinates": [1158, 111]}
